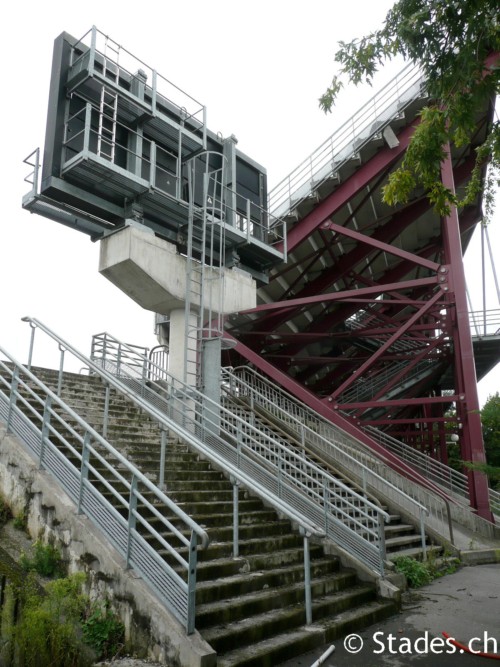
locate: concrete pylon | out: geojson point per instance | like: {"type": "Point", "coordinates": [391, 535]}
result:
{"type": "Point", "coordinates": [152, 273]}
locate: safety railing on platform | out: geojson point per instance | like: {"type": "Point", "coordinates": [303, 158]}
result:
{"type": "Point", "coordinates": [326, 160]}
{"type": "Point", "coordinates": [96, 53]}
{"type": "Point", "coordinates": [117, 498]}
{"type": "Point", "coordinates": [362, 464]}
{"type": "Point", "coordinates": [318, 504]}
{"type": "Point", "coordinates": [485, 323]}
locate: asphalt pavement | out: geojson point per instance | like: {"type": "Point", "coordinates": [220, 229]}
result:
{"type": "Point", "coordinates": [465, 605]}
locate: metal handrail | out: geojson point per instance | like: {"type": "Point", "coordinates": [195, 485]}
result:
{"type": "Point", "coordinates": [495, 502]}
{"type": "Point", "coordinates": [448, 478]}
{"type": "Point", "coordinates": [313, 442]}
{"type": "Point", "coordinates": [318, 504]}
{"type": "Point", "coordinates": [226, 440]}
{"type": "Point", "coordinates": [366, 389]}
{"type": "Point", "coordinates": [327, 159]}
{"type": "Point", "coordinates": [349, 452]}
{"type": "Point", "coordinates": [485, 322]}
{"type": "Point", "coordinates": [96, 42]}
{"type": "Point", "coordinates": [325, 500]}
{"type": "Point", "coordinates": [75, 453]}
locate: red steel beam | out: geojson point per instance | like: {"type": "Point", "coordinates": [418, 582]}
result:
{"type": "Point", "coordinates": [308, 398]}
{"type": "Point", "coordinates": [382, 247]}
{"type": "Point", "coordinates": [348, 189]}
{"type": "Point", "coordinates": [466, 382]}
{"type": "Point", "coordinates": [408, 324]}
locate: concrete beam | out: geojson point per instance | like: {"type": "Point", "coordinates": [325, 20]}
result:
{"type": "Point", "coordinates": [152, 273]}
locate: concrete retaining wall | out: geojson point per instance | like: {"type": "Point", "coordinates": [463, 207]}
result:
{"type": "Point", "coordinates": [51, 516]}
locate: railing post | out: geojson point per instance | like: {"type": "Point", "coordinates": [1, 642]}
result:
{"type": "Point", "coordinates": [84, 470]}
{"type": "Point", "coordinates": [191, 592]}
{"type": "Point", "coordinates": [450, 523]}
{"type": "Point", "coordinates": [326, 503]}
{"type": "Point", "coordinates": [307, 579]}
{"type": "Point", "coordinates": [32, 344]}
{"type": "Point", "coordinates": [93, 43]}
{"type": "Point", "coordinates": [13, 395]}
{"type": "Point", "coordinates": [144, 377]}
{"type": "Point", "coordinates": [118, 360]}
{"type": "Point", "coordinates": [422, 534]}
{"type": "Point", "coordinates": [61, 369]}
{"type": "Point", "coordinates": [87, 127]}
{"type": "Point", "coordinates": [236, 530]}
{"type": "Point", "coordinates": [381, 539]}
{"type": "Point", "coordinates": [163, 448]}
{"type": "Point", "coordinates": [105, 418]}
{"type": "Point", "coordinates": [45, 429]}
{"type": "Point", "coordinates": [132, 507]}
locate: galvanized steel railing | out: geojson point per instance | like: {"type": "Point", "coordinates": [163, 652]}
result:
{"type": "Point", "coordinates": [449, 479]}
{"type": "Point", "coordinates": [319, 505]}
{"type": "Point", "coordinates": [107, 488]}
{"type": "Point", "coordinates": [255, 389]}
{"type": "Point", "coordinates": [485, 323]}
{"type": "Point", "coordinates": [366, 388]}
{"type": "Point", "coordinates": [280, 476]}
{"type": "Point", "coordinates": [362, 464]}
{"type": "Point", "coordinates": [326, 160]}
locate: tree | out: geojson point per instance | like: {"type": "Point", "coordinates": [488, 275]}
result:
{"type": "Point", "coordinates": [457, 45]}
{"type": "Point", "coordinates": [490, 419]}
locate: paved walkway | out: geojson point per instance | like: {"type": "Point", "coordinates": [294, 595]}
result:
{"type": "Point", "coordinates": [465, 604]}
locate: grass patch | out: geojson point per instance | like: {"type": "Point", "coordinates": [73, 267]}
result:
{"type": "Point", "coordinates": [419, 573]}
{"type": "Point", "coordinates": [44, 559]}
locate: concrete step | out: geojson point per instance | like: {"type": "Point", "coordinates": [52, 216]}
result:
{"type": "Point", "coordinates": [251, 608]}
{"type": "Point", "coordinates": [249, 582]}
{"type": "Point", "coordinates": [292, 643]}
{"type": "Point", "coordinates": [287, 604]}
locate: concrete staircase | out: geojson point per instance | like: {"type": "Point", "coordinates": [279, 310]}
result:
{"type": "Point", "coordinates": [249, 608]}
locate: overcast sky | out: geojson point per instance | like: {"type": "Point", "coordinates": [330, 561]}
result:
{"type": "Point", "coordinates": [259, 67]}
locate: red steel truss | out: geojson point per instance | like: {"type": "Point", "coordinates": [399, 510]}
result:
{"type": "Point", "coordinates": [367, 321]}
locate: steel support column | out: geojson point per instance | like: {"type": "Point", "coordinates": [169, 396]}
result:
{"type": "Point", "coordinates": [472, 447]}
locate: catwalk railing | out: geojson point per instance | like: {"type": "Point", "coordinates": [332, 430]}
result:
{"type": "Point", "coordinates": [346, 142]}
{"type": "Point", "coordinates": [366, 467]}
{"type": "Point", "coordinates": [91, 472]}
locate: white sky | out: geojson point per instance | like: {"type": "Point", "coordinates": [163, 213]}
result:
{"type": "Point", "coordinates": [258, 66]}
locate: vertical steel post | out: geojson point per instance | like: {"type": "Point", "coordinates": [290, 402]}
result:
{"type": "Point", "coordinates": [105, 418]}
{"type": "Point", "coordinates": [32, 344]}
{"type": "Point", "coordinates": [87, 127]}
{"type": "Point", "coordinates": [45, 429]}
{"type": "Point", "coordinates": [307, 580]}
{"type": "Point", "coordinates": [132, 507]}
{"type": "Point", "coordinates": [381, 541]}
{"type": "Point", "coordinates": [163, 447]}
{"type": "Point", "coordinates": [14, 384]}
{"type": "Point", "coordinates": [84, 470]}
{"type": "Point", "coordinates": [422, 533]}
{"type": "Point", "coordinates": [236, 537]}
{"type": "Point", "coordinates": [93, 42]}
{"type": "Point", "coordinates": [465, 375]}
{"type": "Point", "coordinates": [61, 370]}
{"type": "Point", "coordinates": [191, 592]}
{"type": "Point", "coordinates": [118, 360]}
